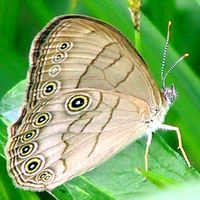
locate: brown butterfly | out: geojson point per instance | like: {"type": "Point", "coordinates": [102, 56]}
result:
{"type": "Point", "coordinates": [89, 95]}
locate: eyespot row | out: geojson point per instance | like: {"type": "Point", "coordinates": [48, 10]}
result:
{"type": "Point", "coordinates": [33, 165]}
{"type": "Point", "coordinates": [60, 55]}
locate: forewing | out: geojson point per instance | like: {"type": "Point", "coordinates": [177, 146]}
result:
{"type": "Point", "coordinates": [82, 52]}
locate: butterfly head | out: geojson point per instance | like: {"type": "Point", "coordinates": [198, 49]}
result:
{"type": "Point", "coordinates": [169, 94]}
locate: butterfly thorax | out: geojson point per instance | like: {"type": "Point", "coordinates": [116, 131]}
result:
{"type": "Point", "coordinates": [157, 119]}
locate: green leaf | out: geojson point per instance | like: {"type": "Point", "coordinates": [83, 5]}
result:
{"type": "Point", "coordinates": [183, 192]}
{"type": "Point", "coordinates": [11, 103]}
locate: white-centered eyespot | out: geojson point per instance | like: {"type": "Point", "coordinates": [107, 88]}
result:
{"type": "Point", "coordinates": [41, 119]}
{"type": "Point", "coordinates": [77, 103]}
{"type": "Point", "coordinates": [33, 165]}
{"type": "Point", "coordinates": [49, 88]}
{"type": "Point", "coordinates": [27, 149]}
{"type": "Point", "coordinates": [59, 57]}
{"type": "Point", "coordinates": [29, 135]}
{"type": "Point", "coordinates": [64, 46]}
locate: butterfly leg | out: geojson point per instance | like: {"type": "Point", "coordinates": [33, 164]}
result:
{"type": "Point", "coordinates": [149, 139]}
{"type": "Point", "coordinates": [180, 146]}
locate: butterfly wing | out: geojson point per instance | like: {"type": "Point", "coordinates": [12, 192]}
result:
{"type": "Point", "coordinates": [82, 52]}
{"type": "Point", "coordinates": [62, 138]}
{"type": "Point", "coordinates": [78, 55]}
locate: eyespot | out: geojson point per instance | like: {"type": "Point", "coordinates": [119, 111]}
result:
{"type": "Point", "coordinates": [41, 119]}
{"type": "Point", "coordinates": [27, 149]}
{"type": "Point", "coordinates": [65, 46]}
{"type": "Point", "coordinates": [33, 165]}
{"type": "Point", "coordinates": [59, 57]}
{"type": "Point", "coordinates": [45, 176]}
{"type": "Point", "coordinates": [77, 103]}
{"type": "Point", "coordinates": [54, 70]}
{"type": "Point", "coordinates": [29, 135]}
{"type": "Point", "coordinates": [49, 88]}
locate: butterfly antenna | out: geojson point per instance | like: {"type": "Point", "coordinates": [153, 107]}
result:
{"type": "Point", "coordinates": [165, 54]}
{"type": "Point", "coordinates": [172, 67]}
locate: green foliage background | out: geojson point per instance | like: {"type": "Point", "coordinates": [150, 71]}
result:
{"type": "Point", "coordinates": [21, 20]}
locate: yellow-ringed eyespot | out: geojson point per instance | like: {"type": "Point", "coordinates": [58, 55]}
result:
{"type": "Point", "coordinates": [65, 46]}
{"type": "Point", "coordinates": [49, 88]}
{"type": "Point", "coordinates": [33, 165]}
{"type": "Point", "coordinates": [29, 135]}
{"type": "Point", "coordinates": [27, 149]}
{"type": "Point", "coordinates": [77, 103]}
{"type": "Point", "coordinates": [46, 176]}
{"type": "Point", "coordinates": [59, 57]}
{"type": "Point", "coordinates": [54, 70]}
{"type": "Point", "coordinates": [41, 119]}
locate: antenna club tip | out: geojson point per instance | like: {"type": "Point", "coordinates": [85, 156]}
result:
{"type": "Point", "coordinates": [169, 23]}
{"type": "Point", "coordinates": [186, 54]}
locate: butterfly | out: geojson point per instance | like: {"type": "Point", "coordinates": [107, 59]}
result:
{"type": "Point", "coordinates": [89, 95]}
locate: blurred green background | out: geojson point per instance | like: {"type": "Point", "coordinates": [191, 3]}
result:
{"type": "Point", "coordinates": [21, 20]}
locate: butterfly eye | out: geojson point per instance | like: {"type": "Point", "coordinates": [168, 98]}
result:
{"type": "Point", "coordinates": [29, 135]}
{"type": "Point", "coordinates": [171, 97]}
{"type": "Point", "coordinates": [27, 150]}
{"type": "Point", "coordinates": [65, 46]}
{"type": "Point", "coordinates": [33, 165]}
{"type": "Point", "coordinates": [77, 103]}
{"type": "Point", "coordinates": [169, 94]}
{"type": "Point", "coordinates": [49, 88]}
{"type": "Point", "coordinates": [45, 176]}
{"type": "Point", "coordinates": [41, 119]}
